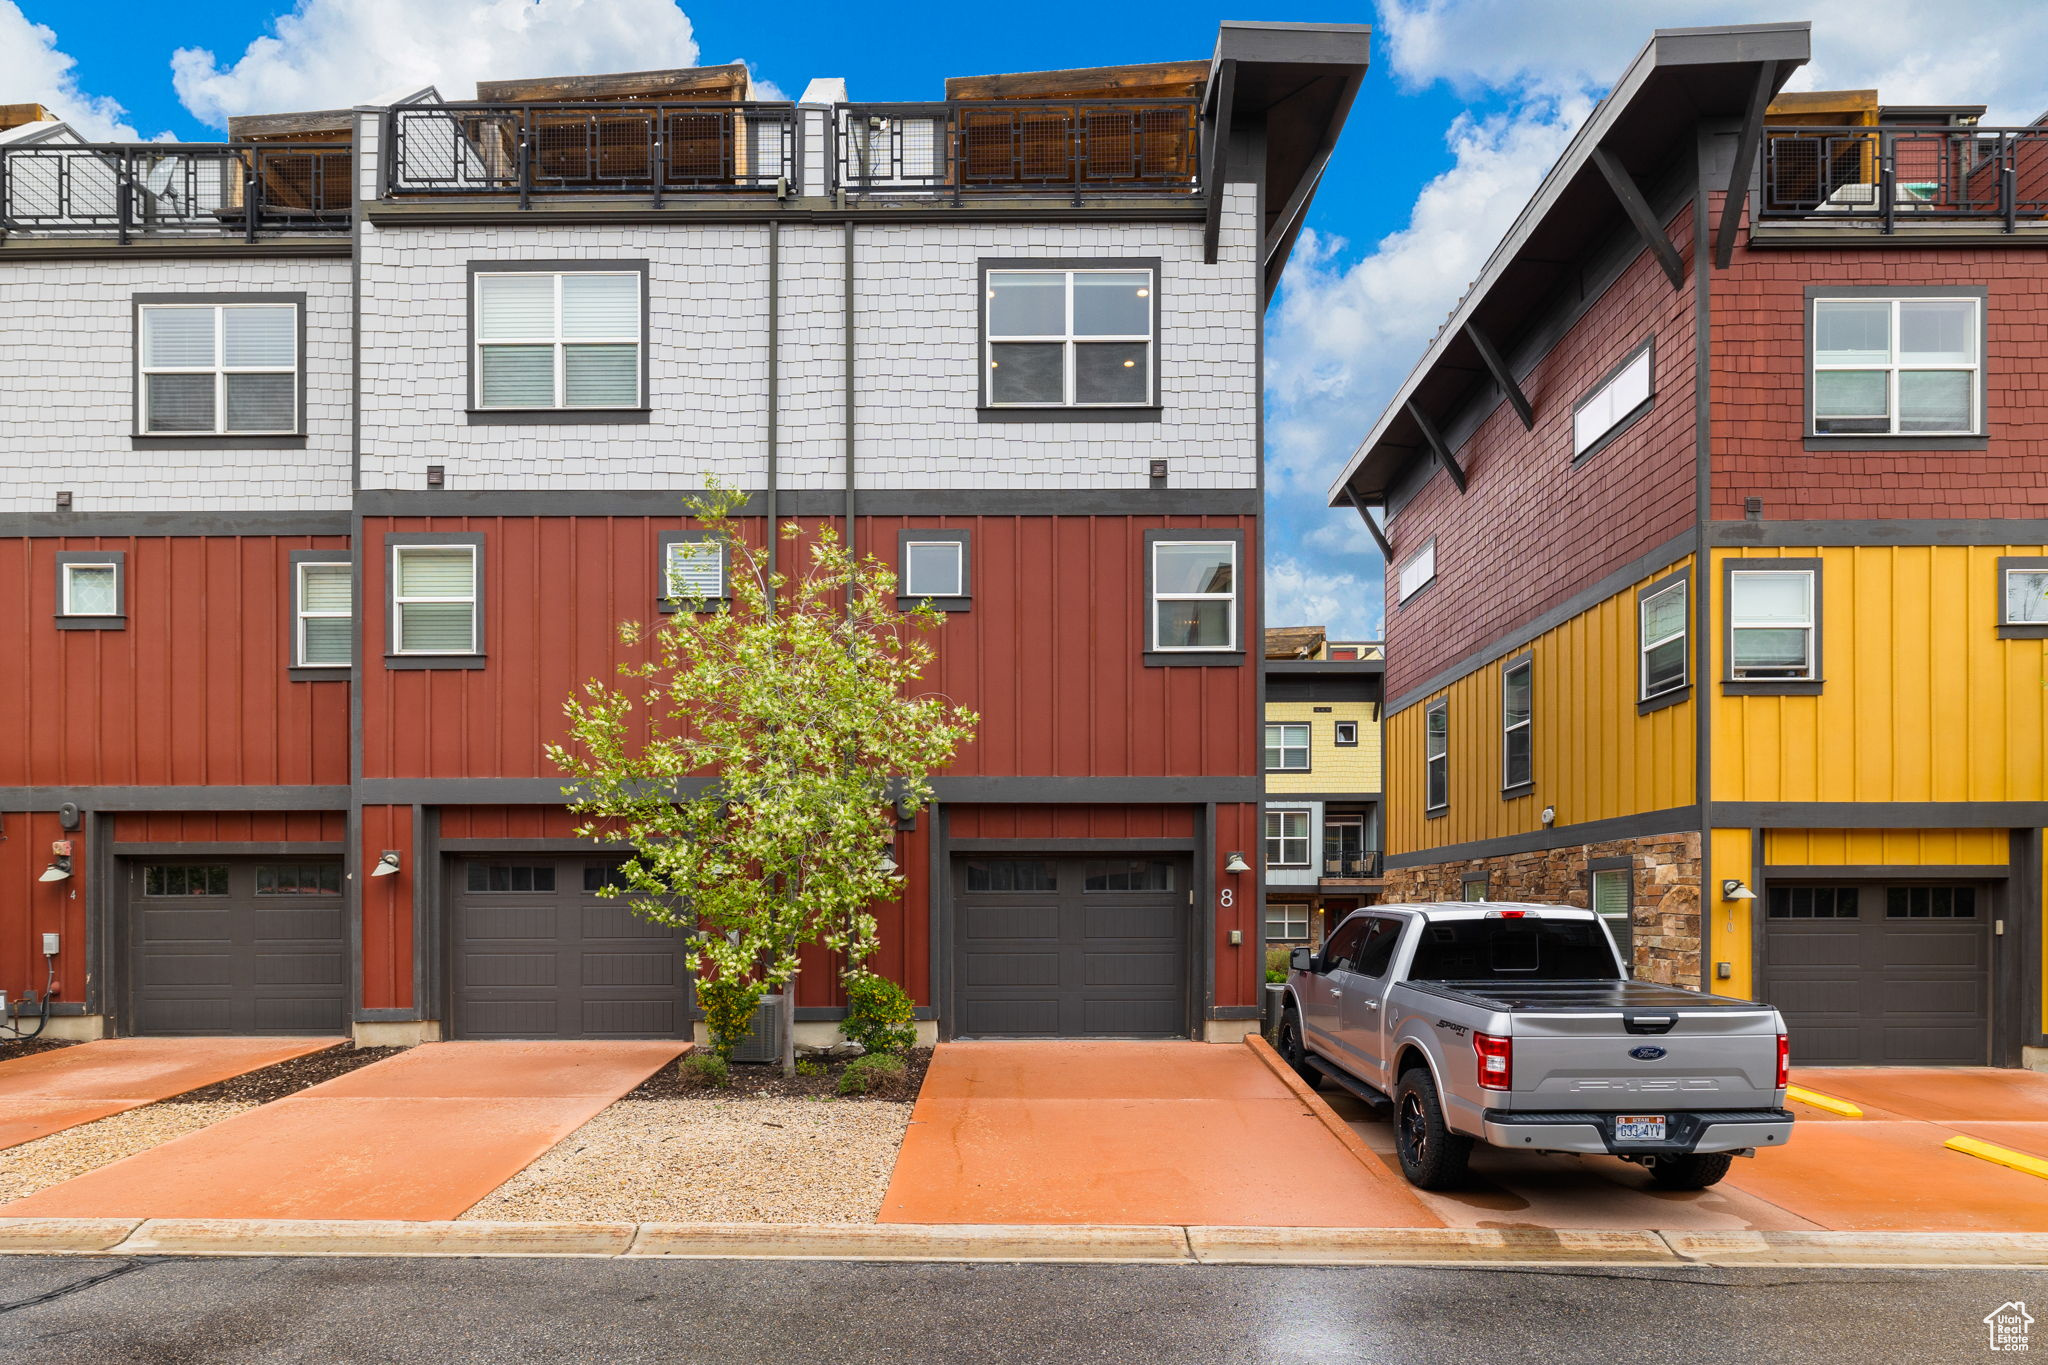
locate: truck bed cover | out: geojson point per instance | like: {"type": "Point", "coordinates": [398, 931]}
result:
{"type": "Point", "coordinates": [1580, 995]}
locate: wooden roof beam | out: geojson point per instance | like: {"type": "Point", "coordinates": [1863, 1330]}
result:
{"type": "Point", "coordinates": [1498, 368]}
{"type": "Point", "coordinates": [1640, 214]}
{"type": "Point", "coordinates": [1150, 80]}
{"type": "Point", "coordinates": [1372, 527]}
{"type": "Point", "coordinates": [1437, 446]}
{"type": "Point", "coordinates": [1746, 144]}
{"type": "Point", "coordinates": [730, 81]}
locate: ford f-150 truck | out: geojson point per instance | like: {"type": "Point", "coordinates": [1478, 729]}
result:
{"type": "Point", "coordinates": [1516, 1025]}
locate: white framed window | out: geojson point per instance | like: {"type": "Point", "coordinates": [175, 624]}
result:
{"type": "Point", "coordinates": [1475, 886]}
{"type": "Point", "coordinates": [434, 599]}
{"type": "Point", "coordinates": [1613, 897]}
{"type": "Point", "coordinates": [1069, 338]}
{"type": "Point", "coordinates": [218, 369]}
{"type": "Point", "coordinates": [1436, 755]}
{"type": "Point", "coordinates": [90, 589]}
{"type": "Point", "coordinates": [2025, 597]}
{"type": "Point", "coordinates": [1416, 572]}
{"type": "Point", "coordinates": [1896, 367]}
{"type": "Point", "coordinates": [1771, 625]}
{"type": "Point", "coordinates": [324, 598]}
{"type": "Point", "coordinates": [934, 568]}
{"type": "Point", "coordinates": [1613, 401]}
{"type": "Point", "coordinates": [1194, 595]}
{"type": "Point", "coordinates": [1287, 921]}
{"type": "Point", "coordinates": [1346, 734]}
{"type": "Point", "coordinates": [1287, 838]}
{"type": "Point", "coordinates": [1663, 635]}
{"type": "Point", "coordinates": [1286, 747]}
{"type": "Point", "coordinates": [1517, 724]}
{"type": "Point", "coordinates": [693, 570]}
{"type": "Point", "coordinates": [558, 339]}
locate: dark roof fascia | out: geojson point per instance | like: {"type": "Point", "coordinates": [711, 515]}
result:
{"type": "Point", "coordinates": [1787, 45]}
{"type": "Point", "coordinates": [1325, 668]}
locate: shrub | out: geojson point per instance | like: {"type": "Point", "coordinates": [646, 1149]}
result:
{"type": "Point", "coordinates": [728, 1011]}
{"type": "Point", "coordinates": [1275, 976]}
{"type": "Point", "coordinates": [1276, 961]}
{"type": "Point", "coordinates": [707, 1068]}
{"type": "Point", "coordinates": [878, 1014]}
{"type": "Point", "coordinates": [867, 1073]}
{"type": "Point", "coordinates": [806, 1067]}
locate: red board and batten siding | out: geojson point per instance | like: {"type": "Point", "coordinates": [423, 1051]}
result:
{"type": "Point", "coordinates": [1051, 655]}
{"type": "Point", "coordinates": [1531, 530]}
{"type": "Point", "coordinates": [30, 908]}
{"type": "Point", "coordinates": [230, 827]}
{"type": "Point", "coordinates": [192, 692]}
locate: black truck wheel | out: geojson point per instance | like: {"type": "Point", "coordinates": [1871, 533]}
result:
{"type": "Point", "coordinates": [1432, 1156]}
{"type": "Point", "coordinates": [1294, 1048]}
{"type": "Point", "coordinates": [1693, 1172]}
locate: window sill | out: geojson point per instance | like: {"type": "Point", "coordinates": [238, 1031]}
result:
{"type": "Point", "coordinates": [206, 440]}
{"type": "Point", "coordinates": [702, 606]}
{"type": "Point", "coordinates": [1771, 687]}
{"type": "Point", "coordinates": [1899, 443]}
{"type": "Point", "coordinates": [92, 622]}
{"type": "Point", "coordinates": [433, 661]}
{"type": "Point", "coordinates": [1231, 658]}
{"type": "Point", "coordinates": [1435, 812]}
{"type": "Point", "coordinates": [986, 413]}
{"type": "Point", "coordinates": [1519, 789]}
{"type": "Point", "coordinates": [319, 672]}
{"type": "Point", "coordinates": [2023, 632]}
{"type": "Point", "coordinates": [1663, 699]}
{"type": "Point", "coordinates": [904, 603]}
{"type": "Point", "coordinates": [558, 417]}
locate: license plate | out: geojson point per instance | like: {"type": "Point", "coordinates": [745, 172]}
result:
{"type": "Point", "coordinates": [1639, 1128]}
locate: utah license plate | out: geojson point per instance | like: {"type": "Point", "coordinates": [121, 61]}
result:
{"type": "Point", "coordinates": [1638, 1127]}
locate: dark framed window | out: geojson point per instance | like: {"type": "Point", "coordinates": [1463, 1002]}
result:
{"type": "Point", "coordinates": [695, 573]}
{"type": "Point", "coordinates": [557, 338]}
{"type": "Point", "coordinates": [511, 878]}
{"type": "Point", "coordinates": [2022, 597]}
{"type": "Point", "coordinates": [1813, 902]}
{"type": "Point", "coordinates": [1130, 874]}
{"type": "Point", "coordinates": [434, 599]}
{"type": "Point", "coordinates": [1664, 641]}
{"type": "Point", "coordinates": [92, 589]}
{"type": "Point", "coordinates": [298, 879]}
{"type": "Point", "coordinates": [1287, 838]}
{"type": "Point", "coordinates": [1774, 625]}
{"type": "Point", "coordinates": [1614, 403]}
{"type": "Point", "coordinates": [220, 367]}
{"type": "Point", "coordinates": [1930, 902]}
{"type": "Point", "coordinates": [323, 611]}
{"type": "Point", "coordinates": [1517, 725]}
{"type": "Point", "coordinates": [1436, 756]}
{"type": "Point", "coordinates": [1895, 366]}
{"type": "Point", "coordinates": [1611, 890]}
{"type": "Point", "coordinates": [1069, 335]}
{"type": "Point", "coordinates": [1011, 874]}
{"type": "Point", "coordinates": [1473, 886]}
{"type": "Point", "coordinates": [1346, 734]}
{"type": "Point", "coordinates": [185, 879]}
{"type": "Point", "coordinates": [1287, 746]}
{"type": "Point", "coordinates": [1194, 594]}
{"type": "Point", "coordinates": [934, 567]}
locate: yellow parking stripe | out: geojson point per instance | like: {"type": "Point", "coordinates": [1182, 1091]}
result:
{"type": "Point", "coordinates": [1820, 1101]}
{"type": "Point", "coordinates": [2003, 1156]}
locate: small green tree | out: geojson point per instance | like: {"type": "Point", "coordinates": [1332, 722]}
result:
{"type": "Point", "coordinates": [755, 761]}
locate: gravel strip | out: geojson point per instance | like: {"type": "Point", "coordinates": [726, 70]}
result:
{"type": "Point", "coordinates": [733, 1160]}
{"type": "Point", "coordinates": [46, 1161]}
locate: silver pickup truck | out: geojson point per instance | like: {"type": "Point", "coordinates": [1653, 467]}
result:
{"type": "Point", "coordinates": [1516, 1025]}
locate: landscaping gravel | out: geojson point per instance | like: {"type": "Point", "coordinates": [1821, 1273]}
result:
{"type": "Point", "coordinates": [46, 1161]}
{"type": "Point", "coordinates": [726, 1160]}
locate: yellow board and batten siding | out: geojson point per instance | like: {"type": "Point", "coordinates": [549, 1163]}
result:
{"type": "Point", "coordinates": [1886, 848]}
{"type": "Point", "coordinates": [1332, 768]}
{"type": "Point", "coordinates": [1594, 757]}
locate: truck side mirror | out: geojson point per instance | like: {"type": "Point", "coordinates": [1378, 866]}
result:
{"type": "Point", "coordinates": [1301, 960]}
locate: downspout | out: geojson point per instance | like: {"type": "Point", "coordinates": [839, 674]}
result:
{"type": "Point", "coordinates": [847, 310]}
{"type": "Point", "coordinates": [774, 394]}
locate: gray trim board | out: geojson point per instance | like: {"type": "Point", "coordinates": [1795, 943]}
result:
{"type": "Point", "coordinates": [140, 439]}
{"type": "Point", "coordinates": [166, 441]}
{"type": "Point", "coordinates": [45, 525]}
{"type": "Point", "coordinates": [1865, 441]}
{"type": "Point", "coordinates": [558, 417]}
{"type": "Point", "coordinates": [1771, 687]}
{"type": "Point", "coordinates": [964, 599]}
{"type": "Point", "coordinates": [813, 212]}
{"type": "Point", "coordinates": [119, 619]}
{"type": "Point", "coordinates": [1675, 820]}
{"type": "Point", "coordinates": [108, 249]}
{"type": "Point", "coordinates": [877, 502]}
{"type": "Point", "coordinates": [985, 411]}
{"type": "Point", "coordinates": [1879, 814]}
{"type": "Point", "coordinates": [1077, 413]}
{"type": "Point", "coordinates": [2023, 906]}
{"type": "Point", "coordinates": [1232, 790]}
{"type": "Point", "coordinates": [1106, 846]}
{"type": "Point", "coordinates": [2006, 629]}
{"type": "Point", "coordinates": [1699, 630]}
{"type": "Point", "coordinates": [397, 540]}
{"type": "Point", "coordinates": [515, 265]}
{"type": "Point", "coordinates": [566, 846]}
{"type": "Point", "coordinates": [233, 849]}
{"type": "Point", "coordinates": [478, 791]}
{"type": "Point", "coordinates": [1274, 798]}
{"type": "Point", "coordinates": [1901, 531]}
{"type": "Point", "coordinates": [118, 799]}
{"type": "Point", "coordinates": [1243, 616]}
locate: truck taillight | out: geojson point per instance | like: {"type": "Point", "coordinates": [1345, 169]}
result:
{"type": "Point", "coordinates": [1496, 1061]}
{"type": "Point", "coordinates": [1784, 1061]}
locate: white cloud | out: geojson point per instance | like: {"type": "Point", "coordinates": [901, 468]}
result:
{"type": "Point", "coordinates": [1298, 594]}
{"type": "Point", "coordinates": [34, 71]}
{"type": "Point", "coordinates": [329, 54]}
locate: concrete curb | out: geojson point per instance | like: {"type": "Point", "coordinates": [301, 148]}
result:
{"type": "Point", "coordinates": [912, 1242]}
{"type": "Point", "coordinates": [1434, 1246]}
{"type": "Point", "coordinates": [64, 1234]}
{"type": "Point", "coordinates": [372, 1237]}
{"type": "Point", "coordinates": [2000, 1249]}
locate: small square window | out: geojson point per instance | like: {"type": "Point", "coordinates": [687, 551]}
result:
{"type": "Point", "coordinates": [932, 568]}
{"type": "Point", "coordinates": [92, 590]}
{"type": "Point", "coordinates": [89, 590]}
{"type": "Point", "coordinates": [1347, 734]}
{"type": "Point", "coordinates": [693, 571]}
{"type": "Point", "coordinates": [2025, 597]}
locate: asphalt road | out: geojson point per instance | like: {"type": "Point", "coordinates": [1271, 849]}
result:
{"type": "Point", "coordinates": [340, 1311]}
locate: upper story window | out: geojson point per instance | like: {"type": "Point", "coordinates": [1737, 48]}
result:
{"type": "Point", "coordinates": [1194, 595]}
{"type": "Point", "coordinates": [1662, 638]}
{"type": "Point", "coordinates": [324, 599]}
{"type": "Point", "coordinates": [218, 369]}
{"type": "Point", "coordinates": [1286, 747]}
{"type": "Point", "coordinates": [1772, 625]}
{"type": "Point", "coordinates": [1417, 572]}
{"type": "Point", "coordinates": [1346, 734]}
{"type": "Point", "coordinates": [434, 599]}
{"type": "Point", "coordinates": [1070, 338]}
{"type": "Point", "coordinates": [1613, 401]}
{"type": "Point", "coordinates": [1897, 366]}
{"type": "Point", "coordinates": [558, 339]}
{"type": "Point", "coordinates": [1287, 838]}
{"type": "Point", "coordinates": [2023, 597]}
{"type": "Point", "coordinates": [1436, 755]}
{"type": "Point", "coordinates": [1517, 724]}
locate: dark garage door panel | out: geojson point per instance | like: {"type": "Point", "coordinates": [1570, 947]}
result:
{"type": "Point", "coordinates": [236, 962]}
{"type": "Point", "coordinates": [561, 963]}
{"type": "Point", "coordinates": [1069, 962]}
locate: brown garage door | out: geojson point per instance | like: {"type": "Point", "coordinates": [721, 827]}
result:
{"type": "Point", "coordinates": [228, 946]}
{"type": "Point", "coordinates": [536, 953]}
{"type": "Point", "coordinates": [1873, 975]}
{"type": "Point", "coordinates": [1070, 947]}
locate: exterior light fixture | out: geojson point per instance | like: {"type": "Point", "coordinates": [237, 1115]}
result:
{"type": "Point", "coordinates": [1733, 890]}
{"type": "Point", "coordinates": [1549, 816]}
{"type": "Point", "coordinates": [60, 862]}
{"type": "Point", "coordinates": [887, 867]}
{"type": "Point", "coordinates": [1236, 863]}
{"type": "Point", "coordinates": [387, 866]}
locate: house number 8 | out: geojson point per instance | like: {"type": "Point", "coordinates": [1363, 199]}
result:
{"type": "Point", "coordinates": [1229, 898]}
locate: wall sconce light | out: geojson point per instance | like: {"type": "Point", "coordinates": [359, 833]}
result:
{"type": "Point", "coordinates": [1733, 890]}
{"type": "Point", "coordinates": [1236, 863]}
{"type": "Point", "coordinates": [387, 866]}
{"type": "Point", "coordinates": [1549, 816]}
{"type": "Point", "coordinates": [887, 867]}
{"type": "Point", "coordinates": [60, 862]}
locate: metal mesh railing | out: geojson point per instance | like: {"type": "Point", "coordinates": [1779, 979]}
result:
{"type": "Point", "coordinates": [612, 149]}
{"type": "Point", "coordinates": [1905, 174]}
{"type": "Point", "coordinates": [171, 188]}
{"type": "Point", "coordinates": [1043, 146]}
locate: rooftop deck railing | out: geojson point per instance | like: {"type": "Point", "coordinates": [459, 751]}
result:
{"type": "Point", "coordinates": [1074, 147]}
{"type": "Point", "coordinates": [1892, 175]}
{"type": "Point", "coordinates": [175, 188]}
{"type": "Point", "coordinates": [635, 149]}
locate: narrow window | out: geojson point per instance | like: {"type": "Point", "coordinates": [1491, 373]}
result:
{"type": "Point", "coordinates": [1286, 747]}
{"type": "Point", "coordinates": [1516, 724]}
{"type": "Point", "coordinates": [1417, 571]}
{"type": "Point", "coordinates": [1474, 886]}
{"type": "Point", "coordinates": [1770, 616]}
{"type": "Point", "coordinates": [435, 599]}
{"type": "Point", "coordinates": [1194, 595]}
{"type": "Point", "coordinates": [326, 596]}
{"type": "Point", "coordinates": [558, 339]}
{"type": "Point", "coordinates": [1069, 338]}
{"type": "Point", "coordinates": [1436, 755]}
{"type": "Point", "coordinates": [1896, 367]}
{"type": "Point", "coordinates": [1613, 401]}
{"type": "Point", "coordinates": [1662, 637]}
{"type": "Point", "coordinates": [1613, 900]}
{"type": "Point", "coordinates": [219, 369]}
{"type": "Point", "coordinates": [1287, 921]}
{"type": "Point", "coordinates": [694, 571]}
{"type": "Point", "coordinates": [933, 568]}
{"type": "Point", "coordinates": [1287, 838]}
{"type": "Point", "coordinates": [1347, 734]}
{"type": "Point", "coordinates": [2026, 597]}
{"type": "Point", "coordinates": [91, 589]}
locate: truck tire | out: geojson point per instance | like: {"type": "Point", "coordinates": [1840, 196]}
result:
{"type": "Point", "coordinates": [1693, 1172]}
{"type": "Point", "coordinates": [1294, 1048]}
{"type": "Point", "coordinates": [1432, 1156]}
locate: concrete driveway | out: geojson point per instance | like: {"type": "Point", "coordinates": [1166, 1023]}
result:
{"type": "Point", "coordinates": [1131, 1133]}
{"type": "Point", "coordinates": [47, 1092]}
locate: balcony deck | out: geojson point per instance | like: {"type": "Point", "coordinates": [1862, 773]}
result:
{"type": "Point", "coordinates": [128, 191]}
{"type": "Point", "coordinates": [1914, 183]}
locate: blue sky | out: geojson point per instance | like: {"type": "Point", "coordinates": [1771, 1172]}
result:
{"type": "Point", "coordinates": [1467, 104]}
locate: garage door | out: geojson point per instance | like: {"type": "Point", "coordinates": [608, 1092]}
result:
{"type": "Point", "coordinates": [1881, 975]}
{"type": "Point", "coordinates": [1070, 947]}
{"type": "Point", "coordinates": [237, 947]}
{"type": "Point", "coordinates": [536, 953]}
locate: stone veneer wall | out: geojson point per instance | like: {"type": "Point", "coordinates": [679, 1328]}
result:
{"type": "Point", "coordinates": [1667, 892]}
